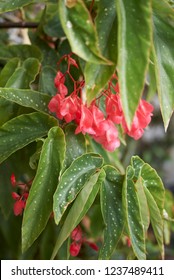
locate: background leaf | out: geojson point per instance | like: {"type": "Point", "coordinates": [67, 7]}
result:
{"type": "Point", "coordinates": [73, 180]}
{"type": "Point", "coordinates": [134, 40]}
{"type": "Point", "coordinates": [79, 208]}
{"type": "Point", "coordinates": [6, 6]}
{"type": "Point", "coordinates": [20, 131]}
{"type": "Point", "coordinates": [24, 74]}
{"type": "Point", "coordinates": [21, 51]}
{"type": "Point", "coordinates": [40, 201]}
{"type": "Point", "coordinates": [111, 205]}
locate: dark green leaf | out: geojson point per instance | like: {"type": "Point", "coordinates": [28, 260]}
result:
{"type": "Point", "coordinates": [24, 74]}
{"type": "Point", "coordinates": [96, 76]}
{"type": "Point", "coordinates": [20, 131]}
{"type": "Point", "coordinates": [73, 180]}
{"type": "Point", "coordinates": [80, 31]}
{"type": "Point", "coordinates": [134, 222]}
{"type": "Point", "coordinates": [27, 98]}
{"type": "Point", "coordinates": [76, 145]}
{"type": "Point", "coordinates": [164, 60]}
{"type": "Point", "coordinates": [21, 51]}
{"type": "Point", "coordinates": [79, 208]}
{"type": "Point", "coordinates": [156, 220]}
{"type": "Point", "coordinates": [111, 205]}
{"type": "Point", "coordinates": [46, 80]}
{"type": "Point", "coordinates": [134, 40]}
{"type": "Point", "coordinates": [40, 201]}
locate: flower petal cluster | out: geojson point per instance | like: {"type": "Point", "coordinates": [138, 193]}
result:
{"type": "Point", "coordinates": [77, 241]}
{"type": "Point", "coordinates": [19, 196]}
{"type": "Point", "coordinates": [101, 126]}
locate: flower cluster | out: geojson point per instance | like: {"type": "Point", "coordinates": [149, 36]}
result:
{"type": "Point", "coordinates": [101, 126]}
{"type": "Point", "coordinates": [21, 197]}
{"type": "Point", "coordinates": [78, 240]}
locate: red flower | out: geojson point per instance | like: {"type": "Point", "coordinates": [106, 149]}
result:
{"type": "Point", "coordinates": [114, 108]}
{"type": "Point", "coordinates": [86, 121]}
{"type": "Point", "coordinates": [78, 240]}
{"type": "Point", "coordinates": [13, 180]}
{"type": "Point", "coordinates": [20, 203]}
{"type": "Point", "coordinates": [75, 248]}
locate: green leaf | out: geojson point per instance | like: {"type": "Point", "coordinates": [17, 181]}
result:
{"type": "Point", "coordinates": [96, 75]}
{"type": "Point", "coordinates": [6, 6]}
{"type": "Point", "coordinates": [51, 23]}
{"type": "Point", "coordinates": [112, 211]}
{"type": "Point", "coordinates": [27, 98]}
{"type": "Point", "coordinates": [22, 130]}
{"type": "Point", "coordinates": [144, 210]}
{"type": "Point", "coordinates": [134, 40]}
{"type": "Point", "coordinates": [164, 60]}
{"type": "Point", "coordinates": [46, 80]}
{"type": "Point", "coordinates": [154, 184]}
{"type": "Point", "coordinates": [156, 220]}
{"type": "Point", "coordinates": [40, 201]}
{"type": "Point", "coordinates": [73, 180]}
{"type": "Point", "coordinates": [21, 51]}
{"type": "Point", "coordinates": [76, 145]}
{"type": "Point", "coordinates": [79, 208]}
{"type": "Point", "coordinates": [80, 31]}
{"type": "Point", "coordinates": [24, 74]}
{"type": "Point", "coordinates": [133, 217]}
{"type": "Point", "coordinates": [8, 70]}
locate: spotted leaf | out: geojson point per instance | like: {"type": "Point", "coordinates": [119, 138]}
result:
{"type": "Point", "coordinates": [111, 205]}
{"type": "Point", "coordinates": [22, 130]}
{"type": "Point", "coordinates": [40, 201]}
{"type": "Point", "coordinates": [73, 180]}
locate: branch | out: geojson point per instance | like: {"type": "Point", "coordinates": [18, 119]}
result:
{"type": "Point", "coordinates": [21, 24]}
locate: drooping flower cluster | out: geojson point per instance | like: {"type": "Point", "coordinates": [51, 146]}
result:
{"type": "Point", "coordinates": [77, 241]}
{"type": "Point", "coordinates": [20, 197]}
{"type": "Point", "coordinates": [101, 126]}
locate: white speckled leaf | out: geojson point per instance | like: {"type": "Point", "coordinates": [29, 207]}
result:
{"type": "Point", "coordinates": [111, 205]}
{"type": "Point", "coordinates": [73, 180]}
{"type": "Point", "coordinates": [40, 201]}
{"type": "Point", "coordinates": [22, 130]}
{"type": "Point", "coordinates": [27, 98]}
{"type": "Point", "coordinates": [134, 222]}
{"type": "Point", "coordinates": [79, 208]}
{"type": "Point", "coordinates": [154, 184]}
{"type": "Point", "coordinates": [156, 220]}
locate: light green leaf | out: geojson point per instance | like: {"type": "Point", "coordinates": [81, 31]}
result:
{"type": "Point", "coordinates": [24, 74]}
{"type": "Point", "coordinates": [73, 180]}
{"type": "Point", "coordinates": [40, 201]}
{"type": "Point", "coordinates": [76, 145]}
{"type": "Point", "coordinates": [156, 220]}
{"type": "Point", "coordinates": [79, 208]}
{"type": "Point", "coordinates": [80, 31]}
{"type": "Point", "coordinates": [8, 70]}
{"type": "Point", "coordinates": [144, 210]}
{"type": "Point", "coordinates": [21, 51]}
{"type": "Point", "coordinates": [6, 6]}
{"type": "Point", "coordinates": [134, 40]}
{"type": "Point", "coordinates": [22, 130]}
{"type": "Point", "coordinates": [134, 222]}
{"type": "Point", "coordinates": [112, 211]}
{"type": "Point", "coordinates": [164, 60]}
{"type": "Point", "coordinates": [27, 98]}
{"type": "Point", "coordinates": [97, 75]}
{"type": "Point", "coordinates": [154, 184]}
